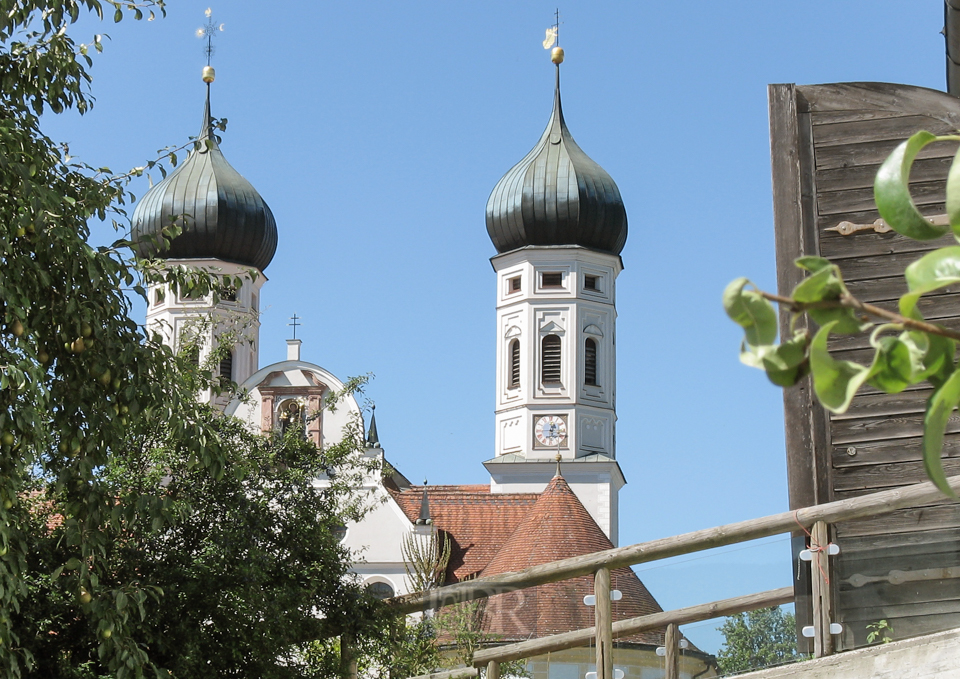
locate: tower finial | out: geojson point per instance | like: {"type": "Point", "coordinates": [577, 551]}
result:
{"type": "Point", "coordinates": [558, 458]}
{"type": "Point", "coordinates": [553, 38]}
{"type": "Point", "coordinates": [208, 31]}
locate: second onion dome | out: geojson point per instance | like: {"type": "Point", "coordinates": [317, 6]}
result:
{"type": "Point", "coordinates": [225, 218]}
{"type": "Point", "coordinates": [557, 195]}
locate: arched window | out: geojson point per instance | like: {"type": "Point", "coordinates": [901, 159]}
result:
{"type": "Point", "coordinates": [550, 359]}
{"type": "Point", "coordinates": [380, 590]}
{"type": "Point", "coordinates": [590, 362]}
{"type": "Point", "coordinates": [514, 364]}
{"type": "Point", "coordinates": [226, 367]}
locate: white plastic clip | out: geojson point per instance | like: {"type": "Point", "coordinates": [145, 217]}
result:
{"type": "Point", "coordinates": [617, 674]}
{"type": "Point", "coordinates": [591, 599]}
{"type": "Point", "coordinates": [836, 628]}
{"type": "Point", "coordinates": [808, 631]}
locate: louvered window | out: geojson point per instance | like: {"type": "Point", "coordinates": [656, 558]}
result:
{"type": "Point", "coordinates": [550, 360]}
{"type": "Point", "coordinates": [226, 367]}
{"type": "Point", "coordinates": [514, 364]}
{"type": "Point", "coordinates": [590, 362]}
{"type": "Point", "coordinates": [590, 283]}
{"type": "Point", "coordinates": [551, 280]}
{"type": "Point", "coordinates": [515, 284]}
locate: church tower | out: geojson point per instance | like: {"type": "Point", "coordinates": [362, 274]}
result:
{"type": "Point", "coordinates": [558, 223]}
{"type": "Point", "coordinates": [228, 230]}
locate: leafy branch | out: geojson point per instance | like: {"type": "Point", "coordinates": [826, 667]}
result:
{"type": "Point", "coordinates": [907, 350]}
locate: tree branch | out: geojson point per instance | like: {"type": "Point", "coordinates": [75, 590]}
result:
{"type": "Point", "coordinates": [850, 302]}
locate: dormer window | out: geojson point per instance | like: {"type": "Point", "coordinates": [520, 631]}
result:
{"type": "Point", "coordinates": [552, 279]}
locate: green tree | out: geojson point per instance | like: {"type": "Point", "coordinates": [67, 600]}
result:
{"type": "Point", "coordinates": [757, 639]}
{"type": "Point", "coordinates": [111, 471]}
{"type": "Point", "coordinates": [907, 349]}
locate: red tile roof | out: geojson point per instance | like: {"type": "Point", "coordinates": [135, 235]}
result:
{"type": "Point", "coordinates": [494, 533]}
{"type": "Point", "coordinates": [476, 521]}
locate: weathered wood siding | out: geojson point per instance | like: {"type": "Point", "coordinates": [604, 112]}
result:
{"type": "Point", "coordinates": [827, 142]}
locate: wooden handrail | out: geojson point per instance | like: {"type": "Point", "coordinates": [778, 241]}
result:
{"type": "Point", "coordinates": [680, 616]}
{"type": "Point", "coordinates": [842, 510]}
{"type": "Point", "coordinates": [457, 673]}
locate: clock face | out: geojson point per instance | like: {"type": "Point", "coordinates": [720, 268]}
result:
{"type": "Point", "coordinates": [550, 430]}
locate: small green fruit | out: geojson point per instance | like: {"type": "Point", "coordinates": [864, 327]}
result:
{"type": "Point", "coordinates": [21, 232]}
{"type": "Point", "coordinates": [7, 438]}
{"type": "Point", "coordinates": [78, 346]}
{"type": "Point", "coordinates": [116, 384]}
{"type": "Point", "coordinates": [17, 328]}
{"type": "Point", "coordinates": [85, 597]}
{"type": "Point", "coordinates": [7, 504]}
{"type": "Point", "coordinates": [106, 377]}
{"type": "Point", "coordinates": [107, 634]}
{"type": "Point", "coordinates": [43, 357]}
{"type": "Point", "coordinates": [85, 329]}
{"type": "Point", "coordinates": [63, 447]}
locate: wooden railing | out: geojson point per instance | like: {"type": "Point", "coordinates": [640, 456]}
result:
{"type": "Point", "coordinates": [815, 519]}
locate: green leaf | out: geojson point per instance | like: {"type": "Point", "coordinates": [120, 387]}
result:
{"type": "Point", "coordinates": [939, 408]}
{"type": "Point", "coordinates": [953, 195]}
{"type": "Point", "coordinates": [894, 365]}
{"type": "Point", "coordinates": [787, 363]}
{"type": "Point", "coordinates": [749, 310]}
{"type": "Point", "coordinates": [812, 264]}
{"type": "Point", "coordinates": [891, 191]}
{"type": "Point", "coordinates": [933, 271]}
{"type": "Point", "coordinates": [835, 382]}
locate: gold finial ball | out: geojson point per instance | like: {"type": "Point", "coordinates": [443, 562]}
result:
{"type": "Point", "coordinates": [556, 55]}
{"type": "Point", "coordinates": [209, 75]}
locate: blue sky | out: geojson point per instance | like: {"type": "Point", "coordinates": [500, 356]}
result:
{"type": "Point", "coordinates": [376, 131]}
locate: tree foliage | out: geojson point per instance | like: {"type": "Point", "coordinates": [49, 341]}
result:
{"type": "Point", "coordinates": [757, 639]}
{"type": "Point", "coordinates": [907, 350]}
{"type": "Point", "coordinates": [138, 530]}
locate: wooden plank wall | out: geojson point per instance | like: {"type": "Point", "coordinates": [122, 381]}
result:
{"type": "Point", "coordinates": [827, 143]}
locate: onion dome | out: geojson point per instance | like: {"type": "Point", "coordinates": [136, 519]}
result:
{"type": "Point", "coordinates": [226, 218]}
{"type": "Point", "coordinates": [557, 195]}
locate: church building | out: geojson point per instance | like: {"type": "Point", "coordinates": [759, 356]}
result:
{"type": "Point", "coordinates": [558, 224]}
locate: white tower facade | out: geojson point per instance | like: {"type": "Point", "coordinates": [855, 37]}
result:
{"type": "Point", "coordinates": [234, 319]}
{"type": "Point", "coordinates": [556, 352]}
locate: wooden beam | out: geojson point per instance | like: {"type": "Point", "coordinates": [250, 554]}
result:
{"type": "Point", "coordinates": [645, 623]}
{"type": "Point", "coordinates": [603, 621]}
{"type": "Point", "coordinates": [672, 644]}
{"type": "Point", "coordinates": [493, 670]}
{"type": "Point", "coordinates": [752, 529]}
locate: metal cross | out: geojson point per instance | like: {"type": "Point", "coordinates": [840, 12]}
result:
{"type": "Point", "coordinates": [295, 318]}
{"type": "Point", "coordinates": [557, 24]}
{"type": "Point", "coordinates": [208, 31]}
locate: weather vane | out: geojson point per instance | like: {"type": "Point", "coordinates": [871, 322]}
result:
{"type": "Point", "coordinates": [553, 38]}
{"type": "Point", "coordinates": [295, 318]}
{"type": "Point", "coordinates": [208, 31]}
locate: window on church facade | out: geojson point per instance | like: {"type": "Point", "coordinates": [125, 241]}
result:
{"type": "Point", "coordinates": [590, 283]}
{"type": "Point", "coordinates": [590, 362]}
{"type": "Point", "coordinates": [514, 364]}
{"type": "Point", "coordinates": [514, 284]}
{"type": "Point", "coordinates": [226, 367]}
{"type": "Point", "coordinates": [550, 359]}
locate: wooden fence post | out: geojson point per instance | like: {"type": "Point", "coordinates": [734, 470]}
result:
{"type": "Point", "coordinates": [819, 578]}
{"type": "Point", "coordinates": [603, 620]}
{"type": "Point", "coordinates": [672, 644]}
{"type": "Point", "coordinates": [493, 670]}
